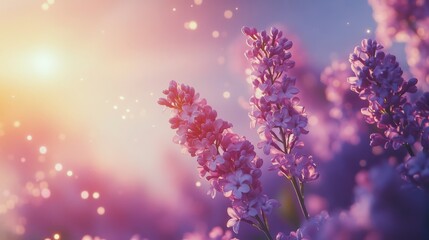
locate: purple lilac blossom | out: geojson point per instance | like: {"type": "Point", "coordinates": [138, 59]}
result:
{"type": "Point", "coordinates": [416, 170]}
{"type": "Point", "coordinates": [384, 208]}
{"type": "Point", "coordinates": [309, 230]}
{"type": "Point", "coordinates": [406, 21]}
{"type": "Point", "coordinates": [344, 104]}
{"type": "Point", "coordinates": [274, 105]}
{"type": "Point", "coordinates": [225, 159]}
{"type": "Point", "coordinates": [379, 81]}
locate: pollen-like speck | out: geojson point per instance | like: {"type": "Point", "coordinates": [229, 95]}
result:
{"type": "Point", "coordinates": [198, 184]}
{"type": "Point", "coordinates": [362, 163]}
{"type": "Point", "coordinates": [43, 150]}
{"type": "Point", "coordinates": [58, 167]}
{"type": "Point", "coordinates": [69, 173]}
{"type": "Point", "coordinates": [23, 159]}
{"type": "Point", "coordinates": [124, 117]}
{"type": "Point", "coordinates": [228, 14]}
{"type": "Point", "coordinates": [101, 210]}
{"type": "Point", "coordinates": [50, 2]}
{"type": "Point", "coordinates": [84, 194]}
{"type": "Point", "coordinates": [29, 137]}
{"type": "Point", "coordinates": [17, 124]}
{"type": "Point", "coordinates": [57, 236]}
{"type": "Point", "coordinates": [96, 195]}
{"type": "Point", "coordinates": [226, 94]}
{"type": "Point", "coordinates": [121, 98]}
{"type": "Point", "coordinates": [198, 2]}
{"type": "Point", "coordinates": [368, 30]}
{"type": "Point", "coordinates": [115, 107]}
{"type": "Point", "coordinates": [215, 34]}
{"type": "Point", "coordinates": [174, 9]}
{"type": "Point", "coordinates": [127, 110]}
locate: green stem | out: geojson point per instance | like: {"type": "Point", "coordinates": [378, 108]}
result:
{"type": "Point", "coordinates": [264, 228]}
{"type": "Point", "coordinates": [300, 194]}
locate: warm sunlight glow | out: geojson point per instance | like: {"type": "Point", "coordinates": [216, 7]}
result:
{"type": "Point", "coordinates": [45, 63]}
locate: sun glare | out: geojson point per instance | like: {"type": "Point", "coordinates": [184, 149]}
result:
{"type": "Point", "coordinates": [45, 63]}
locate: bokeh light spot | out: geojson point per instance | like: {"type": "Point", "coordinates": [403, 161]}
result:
{"type": "Point", "coordinates": [101, 210]}
{"type": "Point", "coordinates": [191, 25]}
{"type": "Point", "coordinates": [228, 14]}
{"type": "Point", "coordinates": [84, 194]}
{"type": "Point", "coordinates": [226, 94]}
{"type": "Point", "coordinates": [215, 34]}
{"type": "Point", "coordinates": [58, 167]}
{"type": "Point", "coordinates": [96, 195]}
{"type": "Point", "coordinates": [43, 150]}
{"type": "Point", "coordinates": [198, 2]}
{"type": "Point", "coordinates": [17, 124]}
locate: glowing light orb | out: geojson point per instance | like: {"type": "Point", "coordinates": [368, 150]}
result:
{"type": "Point", "coordinates": [215, 34]}
{"type": "Point", "coordinates": [58, 167]}
{"type": "Point", "coordinates": [84, 194]}
{"type": "Point", "coordinates": [191, 25]}
{"type": "Point", "coordinates": [96, 195]}
{"type": "Point", "coordinates": [228, 14]}
{"type": "Point", "coordinates": [226, 94]}
{"type": "Point", "coordinates": [101, 210]}
{"type": "Point", "coordinates": [17, 124]}
{"type": "Point", "coordinates": [43, 150]}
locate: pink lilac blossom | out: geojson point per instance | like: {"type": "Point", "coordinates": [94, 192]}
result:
{"type": "Point", "coordinates": [225, 159]}
{"type": "Point", "coordinates": [379, 81]}
{"type": "Point", "coordinates": [275, 107]}
{"type": "Point", "coordinates": [395, 18]}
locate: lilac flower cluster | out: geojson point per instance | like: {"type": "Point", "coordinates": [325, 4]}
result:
{"type": "Point", "coordinates": [225, 159]}
{"type": "Point", "coordinates": [416, 169]}
{"type": "Point", "coordinates": [274, 105]}
{"type": "Point", "coordinates": [406, 21]}
{"type": "Point", "coordinates": [343, 105]}
{"type": "Point", "coordinates": [383, 209]}
{"type": "Point", "coordinates": [309, 230]}
{"type": "Point", "coordinates": [379, 81]}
